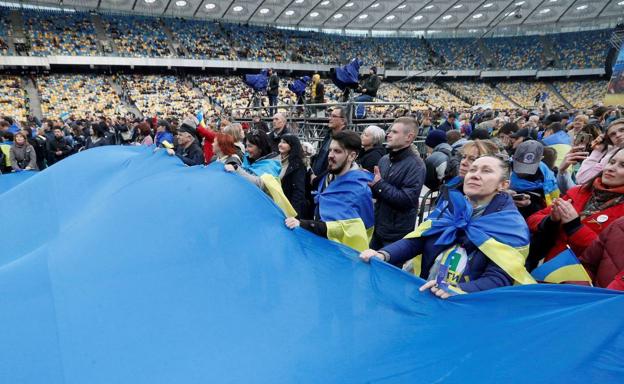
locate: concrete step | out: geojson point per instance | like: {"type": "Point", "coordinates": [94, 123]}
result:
{"type": "Point", "coordinates": [124, 100]}
{"type": "Point", "coordinates": [556, 92]}
{"type": "Point", "coordinates": [33, 96]}
{"type": "Point", "coordinates": [105, 44]}
{"type": "Point", "coordinates": [174, 46]}
{"type": "Point", "coordinates": [503, 94]}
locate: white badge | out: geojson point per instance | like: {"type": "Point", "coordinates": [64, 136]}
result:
{"type": "Point", "coordinates": [602, 218]}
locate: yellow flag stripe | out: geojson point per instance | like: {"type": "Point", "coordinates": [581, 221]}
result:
{"type": "Point", "coordinates": [273, 186]}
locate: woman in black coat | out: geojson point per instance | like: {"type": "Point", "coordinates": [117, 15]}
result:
{"type": "Point", "coordinates": [293, 173]}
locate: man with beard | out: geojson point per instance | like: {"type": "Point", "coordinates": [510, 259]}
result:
{"type": "Point", "coordinates": [344, 204]}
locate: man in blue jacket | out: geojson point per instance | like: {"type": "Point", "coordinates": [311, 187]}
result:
{"type": "Point", "coordinates": [399, 178]}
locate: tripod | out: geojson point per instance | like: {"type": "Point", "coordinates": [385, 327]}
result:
{"type": "Point", "coordinates": [256, 101]}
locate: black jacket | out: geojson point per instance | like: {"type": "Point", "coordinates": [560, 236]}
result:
{"type": "Point", "coordinates": [397, 193]}
{"type": "Point", "coordinates": [371, 84]}
{"type": "Point", "coordinates": [275, 138]}
{"type": "Point", "coordinates": [446, 126]}
{"type": "Point", "coordinates": [193, 155]}
{"type": "Point", "coordinates": [273, 89]}
{"type": "Point", "coordinates": [369, 158]}
{"type": "Point", "coordinates": [293, 185]}
{"type": "Point", "coordinates": [55, 145]}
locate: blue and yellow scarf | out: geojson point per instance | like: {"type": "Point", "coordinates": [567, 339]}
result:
{"type": "Point", "coordinates": [548, 185]}
{"type": "Point", "coordinates": [346, 207]}
{"type": "Point", "coordinates": [503, 236]}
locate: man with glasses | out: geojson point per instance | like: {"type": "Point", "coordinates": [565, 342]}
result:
{"type": "Point", "coordinates": [337, 123]}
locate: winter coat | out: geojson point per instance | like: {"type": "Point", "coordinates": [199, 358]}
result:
{"type": "Point", "coordinates": [273, 88]}
{"type": "Point", "coordinates": [209, 137]}
{"type": "Point", "coordinates": [604, 258]}
{"type": "Point", "coordinates": [578, 234]}
{"type": "Point", "coordinates": [369, 158]}
{"type": "Point", "coordinates": [275, 138]}
{"type": "Point", "coordinates": [192, 155]}
{"type": "Point", "coordinates": [293, 185]}
{"type": "Point", "coordinates": [480, 274]}
{"type": "Point", "coordinates": [23, 156]}
{"type": "Point", "coordinates": [397, 193]}
{"type": "Point", "coordinates": [54, 145]}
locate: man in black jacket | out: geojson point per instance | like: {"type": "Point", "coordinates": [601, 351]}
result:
{"type": "Point", "coordinates": [188, 150]}
{"type": "Point", "coordinates": [279, 129]}
{"type": "Point", "coordinates": [397, 184]}
{"type": "Point", "coordinates": [57, 147]}
{"type": "Point", "coordinates": [368, 86]}
{"type": "Point", "coordinates": [273, 91]}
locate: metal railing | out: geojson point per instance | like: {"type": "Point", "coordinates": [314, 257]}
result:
{"type": "Point", "coordinates": [311, 127]}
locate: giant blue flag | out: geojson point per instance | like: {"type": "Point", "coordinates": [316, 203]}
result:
{"type": "Point", "coordinates": [121, 265]}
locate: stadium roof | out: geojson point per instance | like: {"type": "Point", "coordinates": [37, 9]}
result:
{"type": "Point", "coordinates": [386, 15]}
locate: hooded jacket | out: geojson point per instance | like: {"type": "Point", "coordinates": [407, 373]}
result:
{"type": "Point", "coordinates": [436, 164]}
{"type": "Point", "coordinates": [23, 156]}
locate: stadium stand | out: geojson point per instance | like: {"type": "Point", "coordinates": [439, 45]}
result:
{"type": "Point", "coordinates": [60, 33]}
{"type": "Point", "coordinates": [13, 98]}
{"type": "Point", "coordinates": [78, 95]}
{"type": "Point", "coordinates": [137, 35]}
{"type": "Point", "coordinates": [583, 93]}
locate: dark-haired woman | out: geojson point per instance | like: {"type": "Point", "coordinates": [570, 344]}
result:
{"type": "Point", "coordinates": [577, 219]}
{"type": "Point", "coordinates": [603, 149]}
{"type": "Point", "coordinates": [470, 243]}
{"type": "Point", "coordinates": [293, 173]}
{"type": "Point", "coordinates": [259, 159]}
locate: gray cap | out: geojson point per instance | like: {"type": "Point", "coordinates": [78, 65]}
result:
{"type": "Point", "coordinates": [527, 157]}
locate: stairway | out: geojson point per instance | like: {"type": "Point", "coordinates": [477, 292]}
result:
{"type": "Point", "coordinates": [497, 90]}
{"type": "Point", "coordinates": [124, 100]}
{"type": "Point", "coordinates": [173, 44]}
{"type": "Point", "coordinates": [34, 101]}
{"type": "Point", "coordinates": [549, 54]}
{"type": "Point", "coordinates": [554, 90]}
{"type": "Point", "coordinates": [105, 44]}
{"type": "Point", "coordinates": [19, 34]}
{"type": "Point", "coordinates": [486, 54]}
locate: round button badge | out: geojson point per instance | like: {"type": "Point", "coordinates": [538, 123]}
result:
{"type": "Point", "coordinates": [602, 218]}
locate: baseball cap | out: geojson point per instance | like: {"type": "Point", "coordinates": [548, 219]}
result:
{"type": "Point", "coordinates": [527, 157]}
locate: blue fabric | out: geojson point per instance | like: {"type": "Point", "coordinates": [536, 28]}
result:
{"type": "Point", "coordinates": [348, 75]}
{"type": "Point", "coordinates": [272, 166]}
{"type": "Point", "coordinates": [347, 197]}
{"type": "Point", "coordinates": [129, 280]}
{"type": "Point", "coordinates": [11, 180]}
{"type": "Point", "coordinates": [560, 137]}
{"type": "Point", "coordinates": [548, 185]}
{"type": "Point", "coordinates": [445, 223]}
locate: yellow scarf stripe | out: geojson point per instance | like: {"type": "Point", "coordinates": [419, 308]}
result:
{"type": "Point", "coordinates": [351, 233]}
{"type": "Point", "coordinates": [273, 186]}
{"type": "Point", "coordinates": [509, 259]}
{"type": "Point", "coordinates": [568, 273]}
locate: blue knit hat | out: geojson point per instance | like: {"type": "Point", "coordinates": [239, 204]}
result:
{"type": "Point", "coordinates": [435, 137]}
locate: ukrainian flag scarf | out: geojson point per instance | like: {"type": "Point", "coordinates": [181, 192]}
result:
{"type": "Point", "coordinates": [503, 236]}
{"type": "Point", "coordinates": [346, 207]}
{"type": "Point", "coordinates": [548, 185]}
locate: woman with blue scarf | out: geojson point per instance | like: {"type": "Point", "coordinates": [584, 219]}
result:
{"type": "Point", "coordinates": [469, 243]}
{"type": "Point", "coordinates": [259, 159]}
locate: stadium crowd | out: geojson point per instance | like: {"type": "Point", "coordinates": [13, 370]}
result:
{"type": "Point", "coordinates": [555, 177]}
{"type": "Point", "coordinates": [51, 32]}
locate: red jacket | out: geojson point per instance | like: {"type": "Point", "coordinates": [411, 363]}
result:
{"type": "Point", "coordinates": [604, 258]}
{"type": "Point", "coordinates": [209, 136]}
{"type": "Point", "coordinates": [590, 228]}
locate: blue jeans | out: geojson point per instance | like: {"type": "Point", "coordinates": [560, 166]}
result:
{"type": "Point", "coordinates": [272, 105]}
{"type": "Point", "coordinates": [360, 110]}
